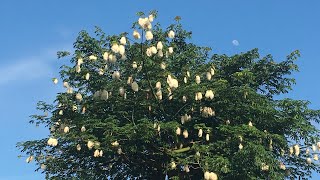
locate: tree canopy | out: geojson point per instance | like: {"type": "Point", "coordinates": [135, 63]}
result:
{"type": "Point", "coordinates": [150, 104]}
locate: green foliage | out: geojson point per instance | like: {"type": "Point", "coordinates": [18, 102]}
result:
{"type": "Point", "coordinates": [245, 132]}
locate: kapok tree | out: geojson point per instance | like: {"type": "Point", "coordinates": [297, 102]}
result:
{"type": "Point", "coordinates": [153, 105]}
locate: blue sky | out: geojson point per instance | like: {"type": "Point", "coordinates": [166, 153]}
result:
{"type": "Point", "coordinates": [32, 31]}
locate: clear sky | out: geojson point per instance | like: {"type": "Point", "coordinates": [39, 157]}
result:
{"type": "Point", "coordinates": [32, 31]}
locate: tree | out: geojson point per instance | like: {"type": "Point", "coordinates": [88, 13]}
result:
{"type": "Point", "coordinates": [156, 106]}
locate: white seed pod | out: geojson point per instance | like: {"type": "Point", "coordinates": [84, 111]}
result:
{"type": "Point", "coordinates": [105, 56]}
{"type": "Point", "coordinates": [184, 99]}
{"type": "Point", "coordinates": [104, 95]}
{"type": "Point", "coordinates": [209, 94]}
{"type": "Point", "coordinates": [160, 53]}
{"type": "Point", "coordinates": [198, 154]}
{"type": "Point", "coordinates": [240, 138]}
{"type": "Point", "coordinates": [173, 165]}
{"type": "Point", "coordinates": [43, 166]}
{"type": "Point", "coordinates": [163, 65]}
{"type": "Point", "coordinates": [314, 148]}
{"type": "Point", "coordinates": [74, 108]}
{"type": "Point", "coordinates": [66, 129]}
{"type": "Point", "coordinates": [185, 118]}
{"type": "Point", "coordinates": [173, 83]}
{"type": "Point", "coordinates": [182, 120]}
{"type": "Point", "coordinates": [79, 97]}
{"type": "Point", "coordinates": [123, 40]}
{"type": "Point", "coordinates": [206, 175]}
{"type": "Point", "coordinates": [207, 137]}
{"type": "Point", "coordinates": [115, 144]}
{"type": "Point", "coordinates": [96, 95]}
{"type": "Point", "coordinates": [309, 161]}
{"type": "Point", "coordinates": [52, 142]}
{"type": "Point", "coordinates": [100, 153]}
{"type": "Point", "coordinates": [97, 144]}
{"type": "Point", "coordinates": [115, 47]}
{"type": "Point", "coordinates": [119, 151]}
{"type": "Point", "coordinates": [185, 134]}
{"type": "Point", "coordinates": [188, 74]}
{"type": "Point", "coordinates": [209, 76]}
{"type": "Point", "coordinates": [135, 86]}
{"type": "Point", "coordinates": [250, 124]}
{"type": "Point", "coordinates": [52, 128]}
{"type": "Point", "coordinates": [185, 80]}
{"type": "Point", "coordinates": [96, 153]}
{"type": "Point", "coordinates": [136, 34]}
{"type": "Point", "coordinates": [149, 52]}
{"type": "Point", "coordinates": [171, 34]}
{"type": "Point", "coordinates": [170, 50]}
{"type": "Point", "coordinates": [69, 90]}
{"type": "Point", "coordinates": [93, 57]}
{"type": "Point", "coordinates": [150, 18]}
{"type": "Point", "coordinates": [200, 132]}
{"type": "Point", "coordinates": [199, 96]}
{"type": "Point", "coordinates": [282, 166]}
{"type": "Point", "coordinates": [307, 151]}
{"type": "Point", "coordinates": [139, 68]}
{"type": "Point", "coordinates": [213, 176]}
{"type": "Point", "coordinates": [61, 112]}
{"type": "Point", "coordinates": [159, 45]}
{"type": "Point", "coordinates": [158, 85]}
{"type": "Point", "coordinates": [55, 80]}
{"type": "Point", "coordinates": [29, 159]}
{"type": "Point", "coordinates": [315, 157]}
{"type": "Point", "coordinates": [291, 151]}
{"type": "Point", "coordinates": [78, 147]}
{"type": "Point", "coordinates": [198, 80]}
{"type": "Point", "coordinates": [122, 49]}
{"type": "Point", "coordinates": [116, 75]}
{"type": "Point", "coordinates": [207, 112]}
{"type": "Point", "coordinates": [65, 84]}
{"type": "Point", "coordinates": [112, 58]}
{"type": "Point", "coordinates": [78, 68]}
{"type": "Point", "coordinates": [80, 61]}
{"type": "Point", "coordinates": [145, 23]}
{"type": "Point", "coordinates": [240, 146]}
{"type": "Point", "coordinates": [178, 131]}
{"type": "Point", "coordinates": [121, 91]}
{"type": "Point", "coordinates": [153, 50]}
{"type": "Point", "coordinates": [186, 168]}
{"type": "Point", "coordinates": [159, 94]}
{"type": "Point", "coordinates": [134, 65]}
{"type": "Point", "coordinates": [212, 71]}
{"type": "Point", "coordinates": [83, 129]}
{"type": "Point", "coordinates": [130, 80]}
{"type": "Point", "coordinates": [87, 76]}
{"type": "Point", "coordinates": [90, 144]}
{"type": "Point", "coordinates": [49, 142]}
{"type": "Point", "coordinates": [101, 72]}
{"type": "Point", "coordinates": [264, 167]}
{"type": "Point", "coordinates": [123, 57]}
{"type": "Point", "coordinates": [296, 149]}
{"type": "Point", "coordinates": [149, 35]}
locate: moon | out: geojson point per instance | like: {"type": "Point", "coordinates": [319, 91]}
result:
{"type": "Point", "coordinates": [235, 42]}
